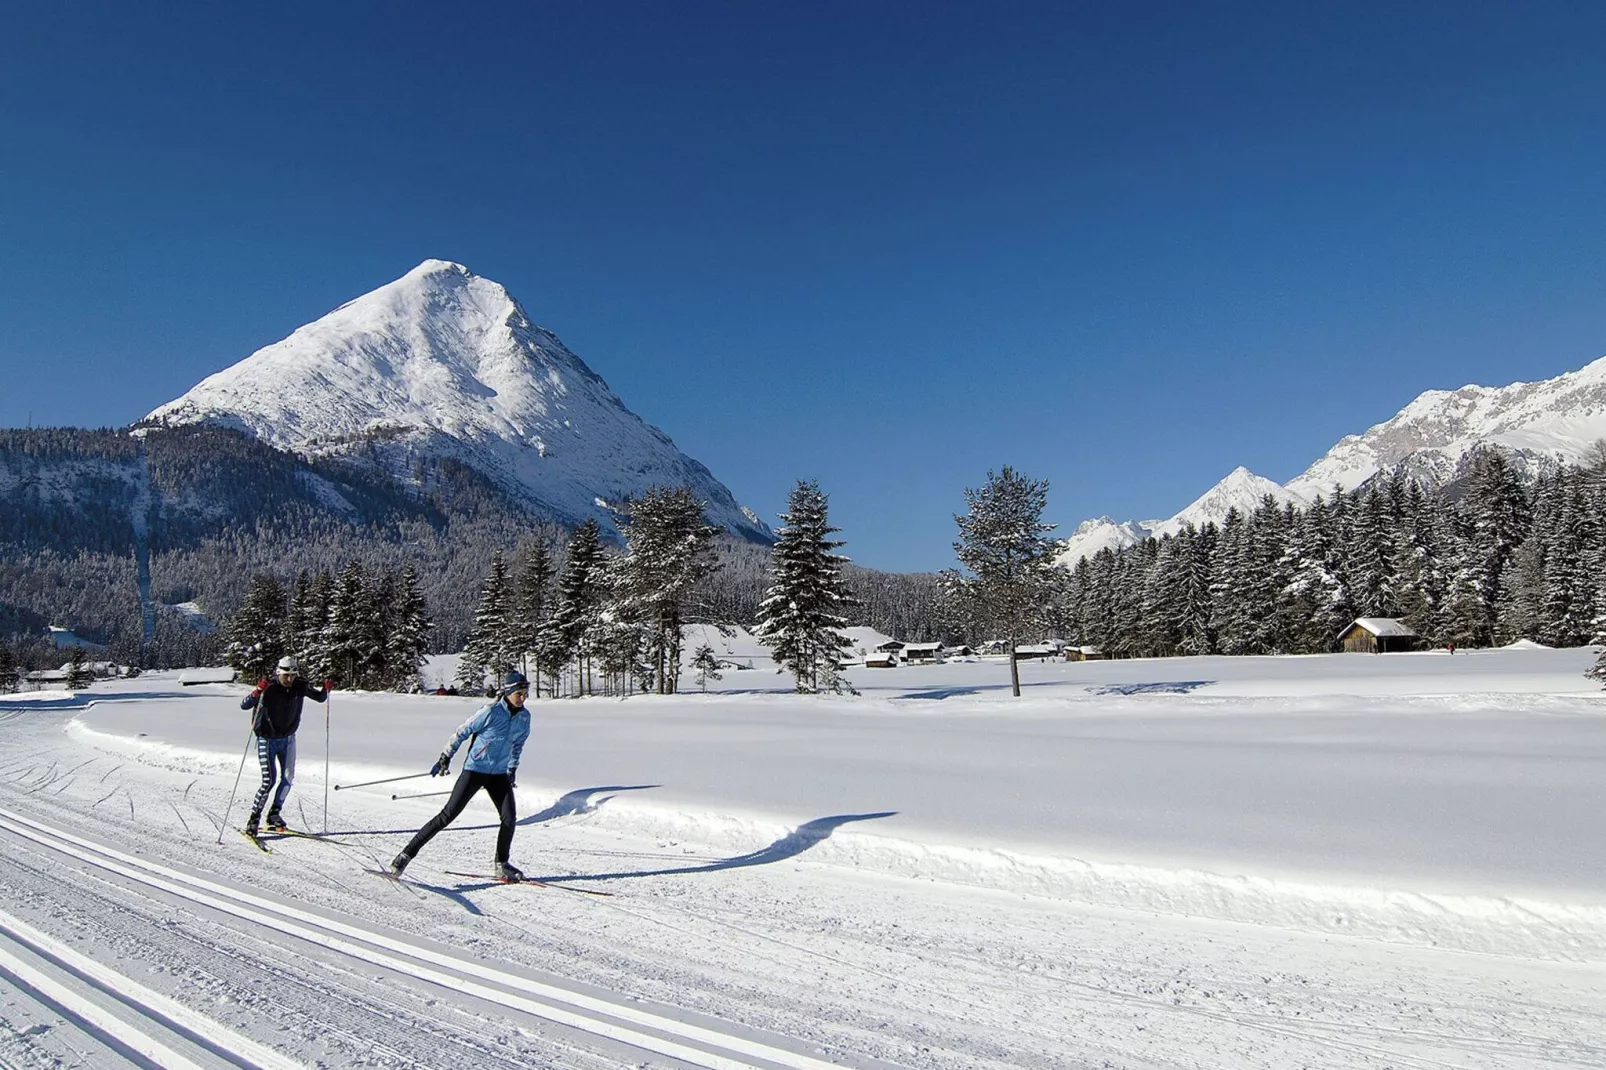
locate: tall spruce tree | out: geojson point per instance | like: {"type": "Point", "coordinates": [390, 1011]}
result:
{"type": "Point", "coordinates": [668, 551]}
{"type": "Point", "coordinates": [802, 615]}
{"type": "Point", "coordinates": [582, 587]}
{"type": "Point", "coordinates": [534, 606]}
{"type": "Point", "coordinates": [253, 638]}
{"type": "Point", "coordinates": [78, 674]}
{"type": "Point", "coordinates": [488, 648]}
{"type": "Point", "coordinates": [1007, 557]}
{"type": "Point", "coordinates": [407, 643]}
{"type": "Point", "coordinates": [347, 635]}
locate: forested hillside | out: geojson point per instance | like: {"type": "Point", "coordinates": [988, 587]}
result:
{"type": "Point", "coordinates": [189, 515]}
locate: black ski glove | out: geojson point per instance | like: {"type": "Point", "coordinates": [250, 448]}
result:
{"type": "Point", "coordinates": [512, 778]}
{"type": "Point", "coordinates": [442, 766]}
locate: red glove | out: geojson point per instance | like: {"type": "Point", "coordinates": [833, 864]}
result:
{"type": "Point", "coordinates": [262, 685]}
{"type": "Point", "coordinates": [328, 685]}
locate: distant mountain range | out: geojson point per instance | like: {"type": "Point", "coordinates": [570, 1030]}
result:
{"type": "Point", "coordinates": [1540, 426]}
{"type": "Point", "coordinates": [444, 364]}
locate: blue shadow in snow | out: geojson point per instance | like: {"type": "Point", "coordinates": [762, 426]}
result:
{"type": "Point", "coordinates": [940, 693]}
{"type": "Point", "coordinates": [791, 845]}
{"type": "Point", "coordinates": [1163, 687]}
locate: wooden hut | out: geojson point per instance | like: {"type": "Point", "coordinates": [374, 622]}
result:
{"type": "Point", "coordinates": [1378, 635]}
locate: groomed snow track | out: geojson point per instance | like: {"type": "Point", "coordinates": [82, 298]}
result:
{"type": "Point", "coordinates": [145, 1028]}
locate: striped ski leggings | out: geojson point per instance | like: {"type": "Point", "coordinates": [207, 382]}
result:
{"type": "Point", "coordinates": [271, 753]}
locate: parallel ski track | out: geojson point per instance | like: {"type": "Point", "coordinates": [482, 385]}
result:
{"type": "Point", "coordinates": [124, 1015]}
{"type": "Point", "coordinates": [614, 1021]}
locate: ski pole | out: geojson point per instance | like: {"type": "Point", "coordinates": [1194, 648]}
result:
{"type": "Point", "coordinates": [425, 795]}
{"type": "Point", "coordinates": [326, 763]}
{"type": "Point", "coordinates": [236, 788]}
{"type": "Point", "coordinates": [387, 780]}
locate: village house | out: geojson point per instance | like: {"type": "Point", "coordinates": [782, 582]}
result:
{"type": "Point", "coordinates": [922, 653]}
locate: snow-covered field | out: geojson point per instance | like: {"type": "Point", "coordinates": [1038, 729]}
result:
{"type": "Point", "coordinates": [1337, 861]}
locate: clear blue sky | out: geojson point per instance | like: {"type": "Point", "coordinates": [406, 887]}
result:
{"type": "Point", "coordinates": [884, 245]}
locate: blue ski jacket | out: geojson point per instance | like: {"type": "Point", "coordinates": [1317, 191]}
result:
{"type": "Point", "coordinates": [500, 732]}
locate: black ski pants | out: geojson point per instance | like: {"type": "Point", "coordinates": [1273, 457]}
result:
{"type": "Point", "coordinates": [499, 786]}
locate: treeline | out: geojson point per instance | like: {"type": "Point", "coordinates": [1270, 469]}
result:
{"type": "Point", "coordinates": [365, 630]}
{"type": "Point", "coordinates": [1483, 562]}
{"type": "Point", "coordinates": [598, 622]}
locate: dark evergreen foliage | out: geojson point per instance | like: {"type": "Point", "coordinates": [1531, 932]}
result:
{"type": "Point", "coordinates": [801, 617]}
{"type": "Point", "coordinates": [1009, 575]}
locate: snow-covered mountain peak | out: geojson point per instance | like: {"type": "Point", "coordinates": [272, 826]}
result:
{"type": "Point", "coordinates": [1541, 423]}
{"type": "Point", "coordinates": [1239, 489]}
{"type": "Point", "coordinates": [445, 363]}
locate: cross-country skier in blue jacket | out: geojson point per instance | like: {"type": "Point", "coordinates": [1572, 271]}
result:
{"type": "Point", "coordinates": [496, 734]}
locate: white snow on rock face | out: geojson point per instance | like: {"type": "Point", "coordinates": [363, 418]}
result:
{"type": "Point", "coordinates": [1554, 420]}
{"type": "Point", "coordinates": [1239, 489]}
{"type": "Point", "coordinates": [444, 363]}
{"type": "Point", "coordinates": [1539, 425]}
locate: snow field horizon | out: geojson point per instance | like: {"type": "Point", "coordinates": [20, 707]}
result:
{"type": "Point", "coordinates": [1420, 799]}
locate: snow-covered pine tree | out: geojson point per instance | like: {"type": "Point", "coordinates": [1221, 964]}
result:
{"type": "Point", "coordinates": [705, 665]}
{"type": "Point", "coordinates": [1365, 556]}
{"type": "Point", "coordinates": [253, 638]}
{"type": "Point", "coordinates": [303, 621]}
{"type": "Point", "coordinates": [1497, 512]}
{"type": "Point", "coordinates": [802, 615]}
{"type": "Point", "coordinates": [408, 642]}
{"type": "Point", "coordinates": [78, 674]}
{"type": "Point", "coordinates": [668, 552]}
{"type": "Point", "coordinates": [346, 633]}
{"type": "Point", "coordinates": [1567, 609]}
{"type": "Point", "coordinates": [1193, 592]}
{"type": "Point", "coordinates": [535, 596]}
{"type": "Point", "coordinates": [378, 598]}
{"type": "Point", "coordinates": [487, 648]}
{"type": "Point", "coordinates": [1006, 555]}
{"type": "Point", "coordinates": [582, 587]}
{"type": "Point", "coordinates": [317, 662]}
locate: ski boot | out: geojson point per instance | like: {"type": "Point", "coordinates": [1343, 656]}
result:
{"type": "Point", "coordinates": [508, 873]}
{"type": "Point", "coordinates": [276, 822]}
{"type": "Point", "coordinates": [251, 824]}
{"type": "Point", "coordinates": [399, 864]}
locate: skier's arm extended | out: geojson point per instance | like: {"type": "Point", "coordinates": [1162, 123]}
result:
{"type": "Point", "coordinates": [470, 727]}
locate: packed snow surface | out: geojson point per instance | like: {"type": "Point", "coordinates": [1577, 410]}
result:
{"type": "Point", "coordinates": [1346, 860]}
{"type": "Point", "coordinates": [445, 363]}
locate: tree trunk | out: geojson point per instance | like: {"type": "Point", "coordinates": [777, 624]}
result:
{"type": "Point", "coordinates": [1014, 668]}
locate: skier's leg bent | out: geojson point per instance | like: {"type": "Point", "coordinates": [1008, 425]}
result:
{"type": "Point", "coordinates": [467, 784]}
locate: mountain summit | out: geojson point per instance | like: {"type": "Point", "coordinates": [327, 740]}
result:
{"type": "Point", "coordinates": [443, 363]}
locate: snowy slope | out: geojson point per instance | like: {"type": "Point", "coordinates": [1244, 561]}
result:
{"type": "Point", "coordinates": [1240, 489]}
{"type": "Point", "coordinates": [1556, 419]}
{"type": "Point", "coordinates": [1256, 863]}
{"type": "Point", "coordinates": [1101, 533]}
{"type": "Point", "coordinates": [443, 363]}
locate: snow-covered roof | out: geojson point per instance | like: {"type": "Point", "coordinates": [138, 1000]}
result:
{"type": "Point", "coordinates": [918, 648]}
{"type": "Point", "coordinates": [1384, 626]}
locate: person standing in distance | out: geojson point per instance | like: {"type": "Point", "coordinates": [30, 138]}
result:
{"type": "Point", "coordinates": [278, 706]}
{"type": "Point", "coordinates": [497, 734]}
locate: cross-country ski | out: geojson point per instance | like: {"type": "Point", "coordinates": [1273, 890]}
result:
{"type": "Point", "coordinates": [495, 879]}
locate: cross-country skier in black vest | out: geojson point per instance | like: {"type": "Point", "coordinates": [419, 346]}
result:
{"type": "Point", "coordinates": [278, 706]}
{"type": "Point", "coordinates": [497, 733]}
